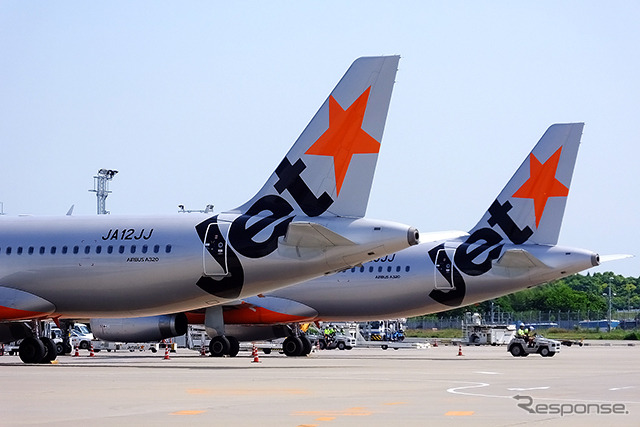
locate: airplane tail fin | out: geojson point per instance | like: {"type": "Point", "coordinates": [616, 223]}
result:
{"type": "Point", "coordinates": [329, 170]}
{"type": "Point", "coordinates": [531, 206]}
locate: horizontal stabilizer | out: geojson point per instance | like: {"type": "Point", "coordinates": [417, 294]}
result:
{"type": "Point", "coordinates": [614, 257]}
{"type": "Point", "coordinates": [311, 235]}
{"type": "Point", "coordinates": [519, 258]}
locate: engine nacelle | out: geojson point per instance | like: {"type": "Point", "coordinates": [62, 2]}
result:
{"type": "Point", "coordinates": [140, 329]}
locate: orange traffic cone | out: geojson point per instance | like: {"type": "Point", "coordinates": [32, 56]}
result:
{"type": "Point", "coordinates": [460, 350]}
{"type": "Point", "coordinates": [91, 353]}
{"type": "Point", "coordinates": [435, 343]}
{"type": "Point", "coordinates": [77, 353]}
{"type": "Point", "coordinates": [202, 350]}
{"type": "Point", "coordinates": [166, 352]}
{"type": "Point", "coordinates": [254, 353]}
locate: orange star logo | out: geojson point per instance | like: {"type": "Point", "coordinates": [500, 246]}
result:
{"type": "Point", "coordinates": [542, 183]}
{"type": "Point", "coordinates": [345, 136]}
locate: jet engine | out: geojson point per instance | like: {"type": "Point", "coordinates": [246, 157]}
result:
{"type": "Point", "coordinates": [140, 329]}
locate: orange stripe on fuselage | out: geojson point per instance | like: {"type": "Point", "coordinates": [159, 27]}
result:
{"type": "Point", "coordinates": [249, 315]}
{"type": "Point", "coordinates": [8, 313]}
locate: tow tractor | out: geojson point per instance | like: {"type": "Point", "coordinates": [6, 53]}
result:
{"type": "Point", "coordinates": [519, 347]}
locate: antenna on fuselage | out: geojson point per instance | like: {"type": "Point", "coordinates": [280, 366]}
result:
{"type": "Point", "coordinates": [101, 188]}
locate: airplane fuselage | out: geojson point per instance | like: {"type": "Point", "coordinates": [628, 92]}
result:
{"type": "Point", "coordinates": [408, 283]}
{"type": "Point", "coordinates": [135, 266]}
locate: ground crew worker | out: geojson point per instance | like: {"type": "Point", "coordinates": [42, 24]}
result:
{"type": "Point", "coordinates": [520, 331]}
{"type": "Point", "coordinates": [532, 335]}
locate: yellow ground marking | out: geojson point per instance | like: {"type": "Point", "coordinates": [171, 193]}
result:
{"type": "Point", "coordinates": [187, 412]}
{"type": "Point", "coordinates": [394, 403]}
{"type": "Point", "coordinates": [247, 391]}
{"type": "Point", "coordinates": [325, 418]}
{"type": "Point", "coordinates": [459, 413]}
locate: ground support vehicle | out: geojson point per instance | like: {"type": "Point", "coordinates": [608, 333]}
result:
{"type": "Point", "coordinates": [519, 347]}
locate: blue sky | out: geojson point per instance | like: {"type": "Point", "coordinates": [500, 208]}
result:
{"type": "Point", "coordinates": [197, 102]}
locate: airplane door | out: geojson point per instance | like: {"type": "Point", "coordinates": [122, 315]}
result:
{"type": "Point", "coordinates": [215, 250]}
{"type": "Point", "coordinates": [444, 269]}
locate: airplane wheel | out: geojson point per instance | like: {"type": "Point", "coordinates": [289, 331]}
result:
{"type": "Point", "coordinates": [292, 346]}
{"type": "Point", "coordinates": [50, 350]}
{"type": "Point", "coordinates": [219, 346]}
{"type": "Point", "coordinates": [306, 345]}
{"type": "Point", "coordinates": [234, 346]}
{"type": "Point", "coordinates": [31, 350]}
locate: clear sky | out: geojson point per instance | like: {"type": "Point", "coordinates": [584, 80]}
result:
{"type": "Point", "coordinates": [197, 102]}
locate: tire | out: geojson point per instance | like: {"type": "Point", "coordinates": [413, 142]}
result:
{"type": "Point", "coordinates": [234, 346]}
{"type": "Point", "coordinates": [544, 351]}
{"type": "Point", "coordinates": [384, 347]}
{"type": "Point", "coordinates": [59, 348]}
{"type": "Point", "coordinates": [50, 353]}
{"type": "Point", "coordinates": [84, 345]}
{"type": "Point", "coordinates": [306, 345]}
{"type": "Point", "coordinates": [552, 354]}
{"type": "Point", "coordinates": [31, 350]}
{"type": "Point", "coordinates": [516, 350]}
{"type": "Point", "coordinates": [322, 344]}
{"type": "Point", "coordinates": [341, 345]}
{"type": "Point", "coordinates": [219, 346]}
{"type": "Point", "coordinates": [292, 346]}
{"type": "Point", "coordinates": [266, 350]}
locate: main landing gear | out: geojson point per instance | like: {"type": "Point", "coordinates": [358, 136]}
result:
{"type": "Point", "coordinates": [222, 345]}
{"type": "Point", "coordinates": [296, 346]}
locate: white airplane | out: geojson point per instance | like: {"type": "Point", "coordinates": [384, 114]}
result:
{"type": "Point", "coordinates": [305, 222]}
{"type": "Point", "coordinates": [513, 247]}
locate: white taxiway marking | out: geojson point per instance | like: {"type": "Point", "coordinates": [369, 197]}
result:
{"type": "Point", "coordinates": [456, 390]}
{"type": "Point", "coordinates": [488, 373]}
{"type": "Point", "coordinates": [622, 388]}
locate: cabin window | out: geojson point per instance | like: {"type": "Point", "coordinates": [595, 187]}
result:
{"type": "Point", "coordinates": [98, 249]}
{"type": "Point", "coordinates": [370, 269]}
{"type": "Point", "coordinates": [8, 251]}
{"type": "Point", "coordinates": [168, 249]}
{"type": "Point", "coordinates": [145, 248]}
{"type": "Point", "coordinates": [389, 269]}
{"type": "Point", "coordinates": [398, 268]}
{"type": "Point", "coordinates": [133, 249]}
{"type": "Point", "coordinates": [42, 249]}
{"type": "Point", "coordinates": [30, 250]}
{"type": "Point", "coordinates": [407, 268]}
{"type": "Point", "coordinates": [156, 249]}
{"type": "Point", "coordinates": [361, 269]}
{"type": "Point", "coordinates": [121, 249]}
{"type": "Point", "coordinates": [65, 250]}
{"type": "Point", "coordinates": [109, 249]}
{"type": "Point", "coordinates": [379, 269]}
{"type": "Point", "coordinates": [19, 251]}
{"type": "Point", "coordinates": [76, 249]}
{"type": "Point", "coordinates": [53, 250]}
{"type": "Point", "coordinates": [87, 249]}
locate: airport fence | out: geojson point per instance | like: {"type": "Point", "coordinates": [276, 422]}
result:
{"type": "Point", "coordinates": [542, 319]}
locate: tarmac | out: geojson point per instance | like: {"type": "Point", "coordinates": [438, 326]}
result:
{"type": "Point", "coordinates": [589, 385]}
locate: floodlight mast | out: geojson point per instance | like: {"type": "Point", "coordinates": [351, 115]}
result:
{"type": "Point", "coordinates": [101, 188]}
